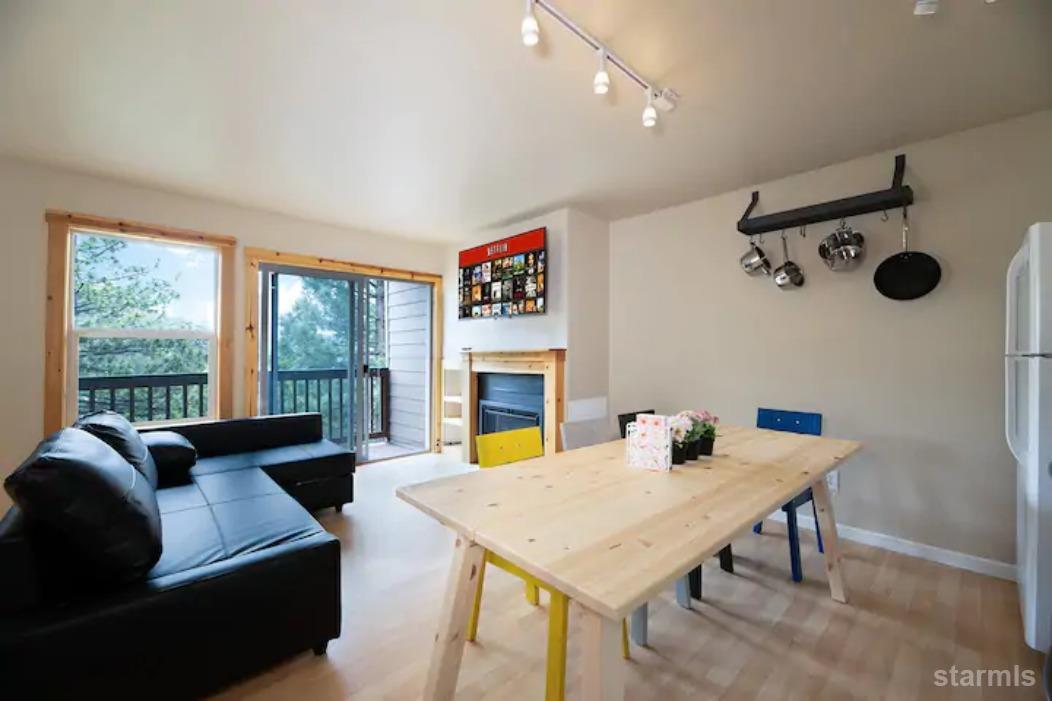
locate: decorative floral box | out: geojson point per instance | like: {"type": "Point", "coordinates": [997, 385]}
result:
{"type": "Point", "coordinates": [649, 443]}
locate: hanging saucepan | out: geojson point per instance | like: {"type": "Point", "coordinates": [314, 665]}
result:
{"type": "Point", "coordinates": [755, 260]}
{"type": "Point", "coordinates": [788, 275]}
{"type": "Point", "coordinates": [909, 274]}
{"type": "Point", "coordinates": [844, 249]}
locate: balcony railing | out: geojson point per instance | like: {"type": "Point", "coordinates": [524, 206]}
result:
{"type": "Point", "coordinates": [185, 396]}
{"type": "Point", "coordinates": [146, 397]}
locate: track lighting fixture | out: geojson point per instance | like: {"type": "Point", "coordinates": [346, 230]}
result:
{"type": "Point", "coordinates": [930, 7]}
{"type": "Point", "coordinates": [656, 97]}
{"type": "Point", "coordinates": [649, 113]}
{"type": "Point", "coordinates": [601, 84]}
{"type": "Point", "coordinates": [926, 7]}
{"type": "Point", "coordinates": [531, 31]}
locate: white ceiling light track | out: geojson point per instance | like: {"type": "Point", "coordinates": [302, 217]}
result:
{"type": "Point", "coordinates": [655, 98]}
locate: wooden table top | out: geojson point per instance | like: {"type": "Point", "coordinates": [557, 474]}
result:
{"type": "Point", "coordinates": [611, 536]}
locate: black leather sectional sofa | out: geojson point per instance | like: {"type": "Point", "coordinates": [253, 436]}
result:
{"type": "Point", "coordinates": [245, 576]}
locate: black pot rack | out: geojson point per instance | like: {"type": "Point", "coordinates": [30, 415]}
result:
{"type": "Point", "coordinates": [895, 197]}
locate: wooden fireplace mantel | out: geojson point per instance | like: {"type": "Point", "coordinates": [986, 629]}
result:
{"type": "Point", "coordinates": [551, 363]}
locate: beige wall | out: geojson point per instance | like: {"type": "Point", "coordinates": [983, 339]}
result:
{"type": "Point", "coordinates": [26, 191]}
{"type": "Point", "coordinates": [920, 383]}
{"type": "Point", "coordinates": [588, 327]}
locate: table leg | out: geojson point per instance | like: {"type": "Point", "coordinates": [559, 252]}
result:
{"type": "Point", "coordinates": [638, 629]}
{"type": "Point", "coordinates": [831, 541]}
{"type": "Point", "coordinates": [683, 591]}
{"type": "Point", "coordinates": [603, 677]}
{"type": "Point", "coordinates": [444, 667]}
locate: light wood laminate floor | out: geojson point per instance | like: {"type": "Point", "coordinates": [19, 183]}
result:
{"type": "Point", "coordinates": [756, 635]}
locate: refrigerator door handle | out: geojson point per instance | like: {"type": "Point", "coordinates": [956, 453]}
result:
{"type": "Point", "coordinates": [1011, 416]}
{"type": "Point", "coordinates": [1012, 301]}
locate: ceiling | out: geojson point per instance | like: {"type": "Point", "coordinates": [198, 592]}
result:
{"type": "Point", "coordinates": [431, 119]}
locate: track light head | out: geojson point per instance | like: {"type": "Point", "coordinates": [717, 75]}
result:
{"type": "Point", "coordinates": [601, 84]}
{"type": "Point", "coordinates": [531, 31]}
{"type": "Point", "coordinates": [649, 113]}
{"type": "Point", "coordinates": [926, 7]}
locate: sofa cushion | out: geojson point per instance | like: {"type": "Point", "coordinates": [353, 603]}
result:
{"type": "Point", "coordinates": [94, 501]}
{"type": "Point", "coordinates": [238, 484]}
{"type": "Point", "coordinates": [173, 454]}
{"type": "Point", "coordinates": [114, 430]}
{"type": "Point", "coordinates": [321, 460]}
{"type": "Point", "coordinates": [191, 539]}
{"type": "Point", "coordinates": [258, 523]}
{"type": "Point", "coordinates": [234, 513]}
{"type": "Point", "coordinates": [180, 498]}
{"type": "Point", "coordinates": [254, 458]}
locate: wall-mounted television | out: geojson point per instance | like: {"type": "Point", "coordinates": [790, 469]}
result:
{"type": "Point", "coordinates": [504, 278]}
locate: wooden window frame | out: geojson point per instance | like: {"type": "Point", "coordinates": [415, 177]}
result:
{"type": "Point", "coordinates": [254, 257]}
{"type": "Point", "coordinates": [58, 311]}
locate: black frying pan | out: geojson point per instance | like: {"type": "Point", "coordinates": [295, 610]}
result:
{"type": "Point", "coordinates": [909, 274]}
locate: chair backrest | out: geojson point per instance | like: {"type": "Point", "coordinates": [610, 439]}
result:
{"type": "Point", "coordinates": [624, 419]}
{"type": "Point", "coordinates": [793, 421]}
{"type": "Point", "coordinates": [578, 434]}
{"type": "Point", "coordinates": [496, 449]}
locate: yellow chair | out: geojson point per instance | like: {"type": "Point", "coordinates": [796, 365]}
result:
{"type": "Point", "coordinates": [494, 450]}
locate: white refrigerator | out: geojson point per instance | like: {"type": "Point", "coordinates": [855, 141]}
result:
{"type": "Point", "coordinates": [1028, 425]}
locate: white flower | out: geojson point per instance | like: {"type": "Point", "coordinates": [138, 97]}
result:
{"type": "Point", "coordinates": [680, 427]}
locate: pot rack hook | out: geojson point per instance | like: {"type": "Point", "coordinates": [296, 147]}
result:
{"type": "Point", "coordinates": [884, 215]}
{"type": "Point", "coordinates": [803, 231]}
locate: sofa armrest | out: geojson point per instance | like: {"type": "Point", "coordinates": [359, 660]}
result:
{"type": "Point", "coordinates": [229, 436]}
{"type": "Point", "coordinates": [19, 588]}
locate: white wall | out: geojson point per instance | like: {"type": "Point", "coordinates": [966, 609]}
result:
{"type": "Point", "coordinates": [919, 383]}
{"type": "Point", "coordinates": [577, 301]}
{"type": "Point", "coordinates": [27, 190]}
{"type": "Point", "coordinates": [529, 332]}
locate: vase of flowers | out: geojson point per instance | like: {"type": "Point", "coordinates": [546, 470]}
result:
{"type": "Point", "coordinates": [681, 427]}
{"type": "Point", "coordinates": [702, 433]}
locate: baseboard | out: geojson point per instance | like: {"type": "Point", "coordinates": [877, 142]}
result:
{"type": "Point", "coordinates": [963, 561]}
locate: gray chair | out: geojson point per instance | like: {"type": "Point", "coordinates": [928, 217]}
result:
{"type": "Point", "coordinates": [580, 434]}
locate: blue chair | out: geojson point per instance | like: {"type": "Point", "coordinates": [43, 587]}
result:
{"type": "Point", "coordinates": [796, 422]}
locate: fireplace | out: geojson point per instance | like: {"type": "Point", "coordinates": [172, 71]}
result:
{"type": "Point", "coordinates": [507, 401]}
{"type": "Point", "coordinates": [512, 403]}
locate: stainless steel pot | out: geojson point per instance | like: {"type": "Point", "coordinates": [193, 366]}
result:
{"type": "Point", "coordinates": [844, 249]}
{"type": "Point", "coordinates": [755, 260]}
{"type": "Point", "coordinates": [789, 275]}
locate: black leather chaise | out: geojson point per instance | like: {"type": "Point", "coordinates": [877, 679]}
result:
{"type": "Point", "coordinates": [245, 576]}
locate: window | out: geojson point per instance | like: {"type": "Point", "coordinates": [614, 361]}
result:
{"type": "Point", "coordinates": [138, 322]}
{"type": "Point", "coordinates": [144, 336]}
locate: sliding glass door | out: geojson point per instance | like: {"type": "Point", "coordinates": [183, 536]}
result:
{"type": "Point", "coordinates": [312, 351]}
{"type": "Point", "coordinates": [356, 349]}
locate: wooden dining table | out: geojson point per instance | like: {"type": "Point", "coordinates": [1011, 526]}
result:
{"type": "Point", "coordinates": [612, 537]}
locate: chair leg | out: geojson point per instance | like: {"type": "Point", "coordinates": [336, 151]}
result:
{"type": "Point", "coordinates": [794, 543]}
{"type": "Point", "coordinates": [558, 615]}
{"type": "Point", "coordinates": [694, 579]}
{"type": "Point", "coordinates": [758, 528]}
{"type": "Point", "coordinates": [639, 625]}
{"type": "Point", "coordinates": [818, 530]}
{"type": "Point", "coordinates": [533, 594]}
{"type": "Point", "coordinates": [625, 652]}
{"type": "Point", "coordinates": [473, 622]}
{"type": "Point", "coordinates": [726, 560]}
{"type": "Point", "coordinates": [683, 591]}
